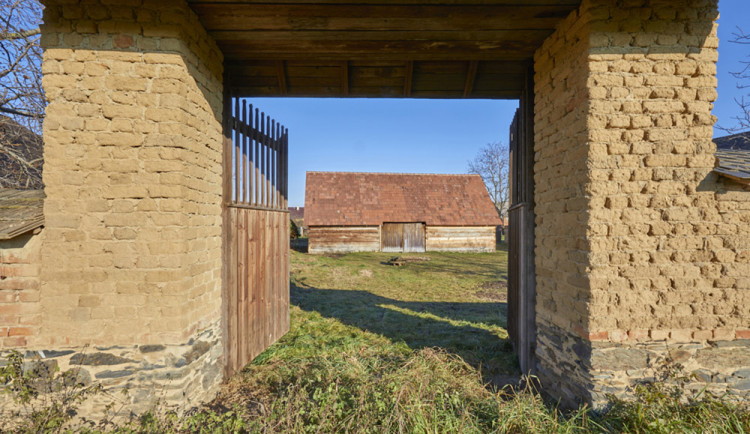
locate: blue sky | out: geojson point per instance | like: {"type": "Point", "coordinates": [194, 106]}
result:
{"type": "Point", "coordinates": [434, 136]}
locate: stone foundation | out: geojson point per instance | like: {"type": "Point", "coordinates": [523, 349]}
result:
{"type": "Point", "coordinates": [721, 367]}
{"type": "Point", "coordinates": [176, 376]}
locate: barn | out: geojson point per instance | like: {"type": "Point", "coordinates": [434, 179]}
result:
{"type": "Point", "coordinates": [398, 212]}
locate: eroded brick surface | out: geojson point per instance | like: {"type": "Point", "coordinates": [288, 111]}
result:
{"type": "Point", "coordinates": [655, 245]}
{"type": "Point", "coordinates": [132, 249]}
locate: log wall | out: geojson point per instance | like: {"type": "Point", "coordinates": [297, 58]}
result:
{"type": "Point", "coordinates": [461, 238]}
{"type": "Point", "coordinates": [340, 239]}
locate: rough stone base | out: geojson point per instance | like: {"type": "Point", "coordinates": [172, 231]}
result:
{"type": "Point", "coordinates": [137, 378]}
{"type": "Point", "coordinates": [718, 367]}
{"type": "Point", "coordinates": [577, 371]}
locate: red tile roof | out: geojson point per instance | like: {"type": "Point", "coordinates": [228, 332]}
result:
{"type": "Point", "coordinates": [359, 199]}
{"type": "Point", "coordinates": [296, 212]}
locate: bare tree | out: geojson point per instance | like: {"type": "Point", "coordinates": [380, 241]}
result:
{"type": "Point", "coordinates": [21, 95]}
{"type": "Point", "coordinates": [492, 163]}
{"type": "Point", "coordinates": [742, 121]}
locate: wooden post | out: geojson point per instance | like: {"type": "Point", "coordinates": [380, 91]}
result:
{"type": "Point", "coordinates": [251, 158]}
{"type": "Point", "coordinates": [226, 239]}
{"type": "Point", "coordinates": [256, 160]}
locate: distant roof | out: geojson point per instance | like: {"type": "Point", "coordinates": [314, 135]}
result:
{"type": "Point", "coordinates": [20, 212]}
{"type": "Point", "coordinates": [740, 141]}
{"type": "Point", "coordinates": [352, 199]}
{"type": "Point", "coordinates": [734, 164]}
{"type": "Point", "coordinates": [296, 212]}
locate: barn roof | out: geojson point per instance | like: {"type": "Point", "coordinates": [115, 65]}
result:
{"type": "Point", "coordinates": [354, 199]}
{"type": "Point", "coordinates": [20, 211]}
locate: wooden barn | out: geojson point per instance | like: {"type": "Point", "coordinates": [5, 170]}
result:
{"type": "Point", "coordinates": [398, 212]}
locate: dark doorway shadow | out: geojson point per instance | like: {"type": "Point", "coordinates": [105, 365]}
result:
{"type": "Point", "coordinates": [454, 327]}
{"type": "Point", "coordinates": [299, 245]}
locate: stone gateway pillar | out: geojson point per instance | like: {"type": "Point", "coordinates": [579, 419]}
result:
{"type": "Point", "coordinates": [131, 254]}
{"type": "Point", "coordinates": [642, 253]}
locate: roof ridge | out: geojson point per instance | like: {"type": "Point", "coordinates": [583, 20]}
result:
{"type": "Point", "coordinates": [393, 173]}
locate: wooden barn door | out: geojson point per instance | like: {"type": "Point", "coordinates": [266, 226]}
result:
{"type": "Point", "coordinates": [413, 237]}
{"type": "Point", "coordinates": [256, 234]}
{"type": "Point", "coordinates": [392, 237]}
{"type": "Point", "coordinates": [402, 237]}
{"type": "Point", "coordinates": [521, 270]}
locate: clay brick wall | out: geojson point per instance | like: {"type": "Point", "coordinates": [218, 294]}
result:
{"type": "Point", "coordinates": [670, 256]}
{"type": "Point", "coordinates": [561, 212]}
{"type": "Point", "coordinates": [653, 259]}
{"type": "Point", "coordinates": [132, 246]}
{"type": "Point", "coordinates": [20, 313]}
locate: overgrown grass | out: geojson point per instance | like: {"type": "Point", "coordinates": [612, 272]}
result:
{"type": "Point", "coordinates": [415, 349]}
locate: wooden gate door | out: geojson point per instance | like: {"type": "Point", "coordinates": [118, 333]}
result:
{"type": "Point", "coordinates": [392, 237]}
{"type": "Point", "coordinates": [413, 237]}
{"type": "Point", "coordinates": [256, 234]}
{"type": "Point", "coordinates": [521, 271]}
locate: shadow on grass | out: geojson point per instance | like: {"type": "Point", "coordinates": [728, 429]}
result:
{"type": "Point", "coordinates": [455, 327]}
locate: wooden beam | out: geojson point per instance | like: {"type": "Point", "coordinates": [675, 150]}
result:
{"type": "Point", "coordinates": [345, 78]}
{"type": "Point", "coordinates": [408, 78]}
{"type": "Point", "coordinates": [471, 75]}
{"type": "Point", "coordinates": [360, 50]}
{"type": "Point", "coordinates": [359, 17]}
{"type": "Point", "coordinates": [570, 3]}
{"type": "Point", "coordinates": [281, 72]}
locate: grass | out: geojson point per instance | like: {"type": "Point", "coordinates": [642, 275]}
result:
{"type": "Point", "coordinates": [420, 348]}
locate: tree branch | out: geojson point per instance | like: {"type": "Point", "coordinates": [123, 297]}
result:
{"type": "Point", "coordinates": [23, 34]}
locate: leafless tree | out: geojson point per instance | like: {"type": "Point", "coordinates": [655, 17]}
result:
{"type": "Point", "coordinates": [21, 96]}
{"type": "Point", "coordinates": [742, 121]}
{"type": "Point", "coordinates": [492, 163]}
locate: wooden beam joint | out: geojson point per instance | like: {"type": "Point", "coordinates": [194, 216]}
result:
{"type": "Point", "coordinates": [471, 75]}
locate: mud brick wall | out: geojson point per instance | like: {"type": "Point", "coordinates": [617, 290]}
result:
{"type": "Point", "coordinates": [132, 246]}
{"type": "Point", "coordinates": [20, 310]}
{"type": "Point", "coordinates": [655, 250]}
{"type": "Point", "coordinates": [561, 205]}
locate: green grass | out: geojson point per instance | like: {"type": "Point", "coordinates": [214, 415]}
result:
{"type": "Point", "coordinates": [423, 348]}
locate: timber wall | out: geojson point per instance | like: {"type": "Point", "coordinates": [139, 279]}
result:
{"type": "Point", "coordinates": [460, 239]}
{"type": "Point", "coordinates": [341, 239]}
{"type": "Point", "coordinates": [642, 253]}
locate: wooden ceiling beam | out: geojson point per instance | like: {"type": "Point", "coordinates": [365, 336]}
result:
{"type": "Point", "coordinates": [232, 3]}
{"type": "Point", "coordinates": [471, 75]}
{"type": "Point", "coordinates": [345, 78]}
{"type": "Point", "coordinates": [359, 17]}
{"type": "Point", "coordinates": [408, 77]}
{"type": "Point", "coordinates": [281, 72]}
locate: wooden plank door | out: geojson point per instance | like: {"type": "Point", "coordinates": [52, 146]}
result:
{"type": "Point", "coordinates": [256, 234]}
{"type": "Point", "coordinates": [414, 237]}
{"type": "Point", "coordinates": [521, 268]}
{"type": "Point", "coordinates": [392, 237]}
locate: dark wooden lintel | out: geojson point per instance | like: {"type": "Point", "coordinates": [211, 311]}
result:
{"type": "Point", "coordinates": [409, 75]}
{"type": "Point", "coordinates": [281, 71]}
{"type": "Point", "coordinates": [471, 75]}
{"type": "Point", "coordinates": [345, 78]}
